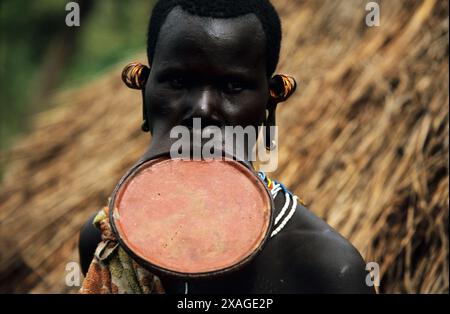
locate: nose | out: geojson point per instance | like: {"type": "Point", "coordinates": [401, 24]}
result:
{"type": "Point", "coordinates": [205, 104]}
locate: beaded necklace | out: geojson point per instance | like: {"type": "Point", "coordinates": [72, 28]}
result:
{"type": "Point", "coordinates": [284, 215]}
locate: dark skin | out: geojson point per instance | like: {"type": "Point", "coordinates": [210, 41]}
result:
{"type": "Point", "coordinates": [215, 69]}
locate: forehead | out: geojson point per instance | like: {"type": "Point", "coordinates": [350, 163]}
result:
{"type": "Point", "coordinates": [187, 38]}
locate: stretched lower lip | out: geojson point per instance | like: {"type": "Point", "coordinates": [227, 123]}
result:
{"type": "Point", "coordinates": [206, 225]}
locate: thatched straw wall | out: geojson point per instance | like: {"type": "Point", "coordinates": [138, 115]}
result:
{"type": "Point", "coordinates": [364, 142]}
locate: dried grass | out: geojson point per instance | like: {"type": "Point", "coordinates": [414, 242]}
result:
{"type": "Point", "coordinates": [364, 142]}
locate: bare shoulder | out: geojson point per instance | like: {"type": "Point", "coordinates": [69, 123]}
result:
{"type": "Point", "coordinates": [319, 257]}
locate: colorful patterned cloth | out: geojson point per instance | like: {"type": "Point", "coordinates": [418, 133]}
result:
{"type": "Point", "coordinates": [113, 271]}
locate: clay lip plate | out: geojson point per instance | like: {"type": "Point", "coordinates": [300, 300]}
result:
{"type": "Point", "coordinates": [192, 217]}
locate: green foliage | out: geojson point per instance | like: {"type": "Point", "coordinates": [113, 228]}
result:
{"type": "Point", "coordinates": [108, 37]}
{"type": "Point", "coordinates": [109, 32]}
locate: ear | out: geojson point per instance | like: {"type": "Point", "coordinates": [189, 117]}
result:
{"type": "Point", "coordinates": [145, 126]}
{"type": "Point", "coordinates": [281, 87]}
{"type": "Point", "coordinates": [271, 109]}
{"type": "Point", "coordinates": [148, 127]}
{"type": "Point", "coordinates": [135, 76]}
{"type": "Point", "coordinates": [270, 121]}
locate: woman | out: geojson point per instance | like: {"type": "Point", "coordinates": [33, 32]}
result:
{"type": "Point", "coordinates": [215, 60]}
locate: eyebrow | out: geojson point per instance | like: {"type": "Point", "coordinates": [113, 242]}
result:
{"type": "Point", "coordinates": [235, 72]}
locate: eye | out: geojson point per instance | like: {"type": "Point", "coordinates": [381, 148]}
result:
{"type": "Point", "coordinates": [177, 82]}
{"type": "Point", "coordinates": [233, 87]}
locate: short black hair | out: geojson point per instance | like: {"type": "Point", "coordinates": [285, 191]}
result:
{"type": "Point", "coordinates": [263, 10]}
